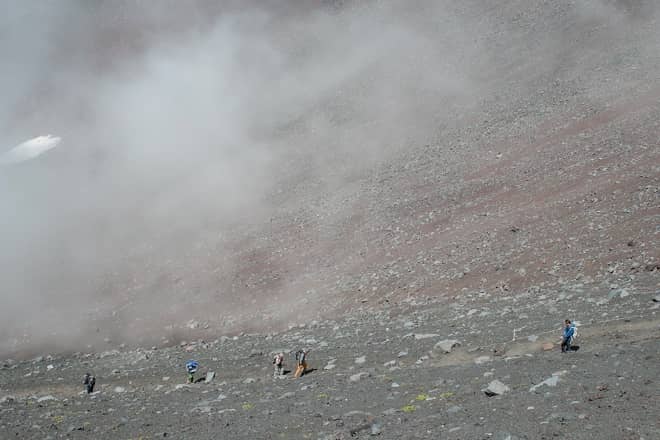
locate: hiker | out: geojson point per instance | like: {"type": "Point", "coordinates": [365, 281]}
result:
{"type": "Point", "coordinates": [89, 381]}
{"type": "Point", "coordinates": [191, 368]}
{"type": "Point", "coordinates": [301, 363]}
{"type": "Point", "coordinates": [278, 363]}
{"type": "Point", "coordinates": [569, 331]}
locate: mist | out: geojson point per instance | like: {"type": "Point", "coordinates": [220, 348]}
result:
{"type": "Point", "coordinates": [186, 126]}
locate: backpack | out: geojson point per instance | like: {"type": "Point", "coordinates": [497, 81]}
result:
{"type": "Point", "coordinates": [191, 366]}
{"type": "Point", "coordinates": [575, 333]}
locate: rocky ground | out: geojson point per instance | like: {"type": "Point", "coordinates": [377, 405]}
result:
{"type": "Point", "coordinates": [472, 366]}
{"type": "Point", "coordinates": [442, 270]}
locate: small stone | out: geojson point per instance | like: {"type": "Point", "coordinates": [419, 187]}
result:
{"type": "Point", "coordinates": [7, 399]}
{"type": "Point", "coordinates": [45, 399]}
{"type": "Point", "coordinates": [361, 360]}
{"type": "Point", "coordinates": [209, 377]}
{"type": "Point", "coordinates": [482, 360]}
{"type": "Point", "coordinates": [496, 388]}
{"type": "Point", "coordinates": [618, 293]}
{"type": "Point", "coordinates": [425, 336]}
{"type": "Point", "coordinates": [119, 389]}
{"type": "Point", "coordinates": [358, 377]}
{"type": "Point", "coordinates": [249, 380]}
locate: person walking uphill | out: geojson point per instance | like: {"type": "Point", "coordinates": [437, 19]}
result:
{"type": "Point", "coordinates": [278, 363]}
{"type": "Point", "coordinates": [301, 363]}
{"type": "Point", "coordinates": [569, 331]}
{"type": "Point", "coordinates": [191, 368]}
{"type": "Point", "coordinates": [89, 381]}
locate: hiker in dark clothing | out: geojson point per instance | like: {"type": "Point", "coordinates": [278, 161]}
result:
{"type": "Point", "coordinates": [301, 363]}
{"type": "Point", "coordinates": [89, 381]}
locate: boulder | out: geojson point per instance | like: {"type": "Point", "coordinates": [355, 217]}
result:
{"type": "Point", "coordinates": [496, 388]}
{"type": "Point", "coordinates": [446, 345]}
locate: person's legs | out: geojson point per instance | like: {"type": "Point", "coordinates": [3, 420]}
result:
{"type": "Point", "coordinates": [565, 345]}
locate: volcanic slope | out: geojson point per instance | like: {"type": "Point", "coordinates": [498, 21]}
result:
{"type": "Point", "coordinates": [536, 201]}
{"type": "Point", "coordinates": [549, 180]}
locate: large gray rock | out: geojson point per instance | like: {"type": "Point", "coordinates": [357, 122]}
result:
{"type": "Point", "coordinates": [552, 381]}
{"type": "Point", "coordinates": [446, 345]}
{"type": "Point", "coordinates": [496, 388]}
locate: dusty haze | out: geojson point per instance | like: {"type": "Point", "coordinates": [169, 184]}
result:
{"type": "Point", "coordinates": [200, 139]}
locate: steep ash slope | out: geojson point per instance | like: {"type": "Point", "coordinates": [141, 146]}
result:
{"type": "Point", "coordinates": [418, 194]}
{"type": "Point", "coordinates": [549, 178]}
{"type": "Point", "coordinates": [528, 160]}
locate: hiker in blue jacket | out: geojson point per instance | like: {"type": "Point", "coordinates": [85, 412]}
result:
{"type": "Point", "coordinates": [191, 368]}
{"type": "Point", "coordinates": [569, 331]}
